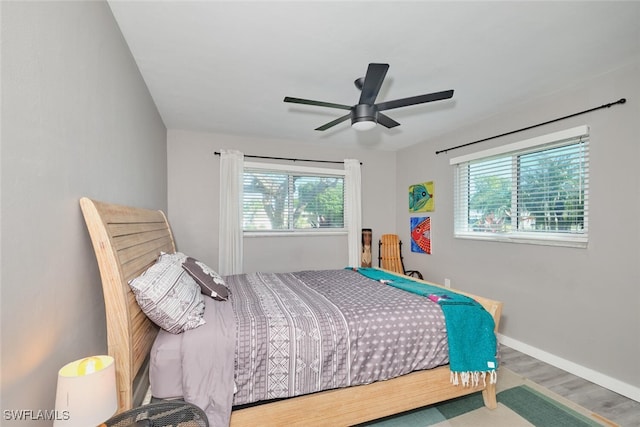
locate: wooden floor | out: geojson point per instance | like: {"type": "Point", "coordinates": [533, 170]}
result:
{"type": "Point", "coordinates": [611, 405]}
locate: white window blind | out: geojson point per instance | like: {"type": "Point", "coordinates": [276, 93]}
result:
{"type": "Point", "coordinates": [533, 191]}
{"type": "Point", "coordinates": [292, 198]}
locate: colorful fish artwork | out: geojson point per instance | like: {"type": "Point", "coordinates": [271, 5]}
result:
{"type": "Point", "coordinates": [421, 197]}
{"type": "Point", "coordinates": [421, 234]}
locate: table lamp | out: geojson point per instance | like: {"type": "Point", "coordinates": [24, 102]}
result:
{"type": "Point", "coordinates": [86, 394]}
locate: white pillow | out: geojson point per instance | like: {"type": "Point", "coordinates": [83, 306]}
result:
{"type": "Point", "coordinates": [168, 295]}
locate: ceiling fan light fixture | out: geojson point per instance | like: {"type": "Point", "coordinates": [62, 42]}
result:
{"type": "Point", "coordinates": [363, 124]}
{"type": "Point", "coordinates": [363, 117]}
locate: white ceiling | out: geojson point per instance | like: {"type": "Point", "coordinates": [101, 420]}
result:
{"type": "Point", "coordinates": [225, 67]}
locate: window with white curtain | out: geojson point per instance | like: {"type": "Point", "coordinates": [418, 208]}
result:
{"type": "Point", "coordinates": [533, 191]}
{"type": "Point", "coordinates": [291, 198]}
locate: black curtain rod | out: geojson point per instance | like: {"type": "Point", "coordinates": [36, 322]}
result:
{"type": "Point", "coordinates": [620, 101]}
{"type": "Point", "coordinates": [217, 153]}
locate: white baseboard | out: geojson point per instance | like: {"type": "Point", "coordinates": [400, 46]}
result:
{"type": "Point", "coordinates": [596, 377]}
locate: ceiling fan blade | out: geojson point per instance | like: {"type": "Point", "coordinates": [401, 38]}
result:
{"type": "Point", "coordinates": [420, 99]}
{"type": "Point", "coordinates": [334, 122]}
{"type": "Point", "coordinates": [387, 121]}
{"type": "Point", "coordinates": [373, 82]}
{"type": "Point", "coordinates": [317, 103]}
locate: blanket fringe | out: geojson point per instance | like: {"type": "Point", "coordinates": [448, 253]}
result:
{"type": "Point", "coordinates": [472, 379]}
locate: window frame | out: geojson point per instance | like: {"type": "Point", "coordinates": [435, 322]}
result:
{"type": "Point", "coordinates": [297, 170]}
{"type": "Point", "coordinates": [462, 228]}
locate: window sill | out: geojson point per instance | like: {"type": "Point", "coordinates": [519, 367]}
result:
{"type": "Point", "coordinates": [576, 242]}
{"type": "Point", "coordinates": [294, 233]}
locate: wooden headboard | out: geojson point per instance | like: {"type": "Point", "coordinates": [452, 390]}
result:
{"type": "Point", "coordinates": [126, 242]}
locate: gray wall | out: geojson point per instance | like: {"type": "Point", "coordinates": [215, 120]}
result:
{"type": "Point", "coordinates": [579, 305]}
{"type": "Point", "coordinates": [194, 201]}
{"type": "Point", "coordinates": [77, 120]}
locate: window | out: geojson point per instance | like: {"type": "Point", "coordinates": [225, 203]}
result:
{"type": "Point", "coordinates": [533, 191]}
{"type": "Point", "coordinates": [292, 198]}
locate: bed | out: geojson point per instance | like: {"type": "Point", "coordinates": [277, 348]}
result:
{"type": "Point", "coordinates": [128, 240]}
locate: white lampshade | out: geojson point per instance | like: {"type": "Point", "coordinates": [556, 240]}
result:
{"type": "Point", "coordinates": [86, 393]}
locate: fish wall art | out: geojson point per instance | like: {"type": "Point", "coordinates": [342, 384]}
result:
{"type": "Point", "coordinates": [421, 234]}
{"type": "Point", "coordinates": [421, 197]}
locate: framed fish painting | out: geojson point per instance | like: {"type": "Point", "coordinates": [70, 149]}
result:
{"type": "Point", "coordinates": [421, 197]}
{"type": "Point", "coordinates": [421, 234]}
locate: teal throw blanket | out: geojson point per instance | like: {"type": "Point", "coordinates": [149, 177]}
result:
{"type": "Point", "coordinates": [470, 328]}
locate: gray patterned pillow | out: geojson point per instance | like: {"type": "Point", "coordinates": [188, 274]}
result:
{"type": "Point", "coordinates": [168, 295]}
{"type": "Point", "coordinates": [211, 284]}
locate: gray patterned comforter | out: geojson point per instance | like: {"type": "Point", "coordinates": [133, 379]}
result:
{"type": "Point", "coordinates": [303, 332]}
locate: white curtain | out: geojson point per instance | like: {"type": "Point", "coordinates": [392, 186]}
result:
{"type": "Point", "coordinates": [230, 235]}
{"type": "Point", "coordinates": [353, 209]}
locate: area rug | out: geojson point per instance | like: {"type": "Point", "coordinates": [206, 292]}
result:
{"type": "Point", "coordinates": [521, 402]}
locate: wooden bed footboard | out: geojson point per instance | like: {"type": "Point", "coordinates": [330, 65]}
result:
{"type": "Point", "coordinates": [357, 404]}
{"type": "Point", "coordinates": [127, 240]}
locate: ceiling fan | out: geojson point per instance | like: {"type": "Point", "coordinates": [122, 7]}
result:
{"type": "Point", "coordinates": [365, 114]}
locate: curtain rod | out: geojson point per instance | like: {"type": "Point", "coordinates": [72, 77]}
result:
{"type": "Point", "coordinates": [217, 153]}
{"type": "Point", "coordinates": [620, 101]}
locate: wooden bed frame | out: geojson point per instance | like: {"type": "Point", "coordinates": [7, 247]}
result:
{"type": "Point", "coordinates": [128, 240]}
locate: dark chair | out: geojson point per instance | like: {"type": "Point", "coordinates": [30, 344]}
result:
{"type": "Point", "coordinates": [390, 258]}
